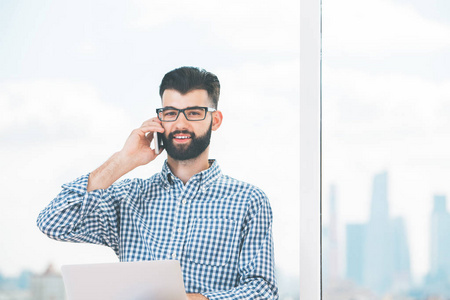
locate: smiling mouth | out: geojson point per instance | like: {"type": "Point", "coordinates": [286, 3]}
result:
{"type": "Point", "coordinates": [181, 137]}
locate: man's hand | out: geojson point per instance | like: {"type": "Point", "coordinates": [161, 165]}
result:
{"type": "Point", "coordinates": [136, 152]}
{"type": "Point", "coordinates": [196, 297]}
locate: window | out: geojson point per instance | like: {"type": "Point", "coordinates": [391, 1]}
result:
{"type": "Point", "coordinates": [386, 166]}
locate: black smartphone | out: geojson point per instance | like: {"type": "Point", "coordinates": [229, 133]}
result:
{"type": "Point", "coordinates": [157, 139]}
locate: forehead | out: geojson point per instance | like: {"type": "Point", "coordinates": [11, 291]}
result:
{"type": "Point", "coordinates": [193, 98]}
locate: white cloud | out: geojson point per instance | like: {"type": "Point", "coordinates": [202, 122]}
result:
{"type": "Point", "coordinates": [393, 105]}
{"type": "Point", "coordinates": [55, 109]}
{"type": "Point", "coordinates": [87, 48]}
{"type": "Point", "coordinates": [243, 25]}
{"type": "Point", "coordinates": [379, 28]}
{"type": "Point", "coordinates": [380, 121]}
{"type": "Point", "coordinates": [265, 92]}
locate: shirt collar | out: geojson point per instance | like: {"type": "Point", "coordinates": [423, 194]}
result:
{"type": "Point", "coordinates": [205, 178]}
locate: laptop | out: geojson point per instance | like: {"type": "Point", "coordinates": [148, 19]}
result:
{"type": "Point", "coordinates": [140, 280]}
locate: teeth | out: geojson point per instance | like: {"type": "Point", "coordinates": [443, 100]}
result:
{"type": "Point", "coordinates": [182, 137]}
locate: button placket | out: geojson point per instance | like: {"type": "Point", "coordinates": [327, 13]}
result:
{"type": "Point", "coordinates": [180, 224]}
{"type": "Point", "coordinates": [171, 250]}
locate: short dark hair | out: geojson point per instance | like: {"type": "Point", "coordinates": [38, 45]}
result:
{"type": "Point", "coordinates": [186, 79]}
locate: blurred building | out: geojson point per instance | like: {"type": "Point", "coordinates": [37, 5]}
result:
{"type": "Point", "coordinates": [438, 279]}
{"type": "Point", "coordinates": [378, 258]}
{"type": "Point", "coordinates": [440, 239]}
{"type": "Point", "coordinates": [355, 250]}
{"type": "Point", "coordinates": [16, 288]}
{"type": "Point", "coordinates": [48, 286]}
{"type": "Point", "coordinates": [401, 279]}
{"type": "Point", "coordinates": [377, 252]}
{"type": "Point", "coordinates": [348, 290]}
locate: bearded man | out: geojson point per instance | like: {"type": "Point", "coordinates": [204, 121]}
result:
{"type": "Point", "coordinates": [218, 228]}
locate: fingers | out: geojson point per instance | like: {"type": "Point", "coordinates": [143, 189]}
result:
{"type": "Point", "coordinates": [150, 126]}
{"type": "Point", "coordinates": [138, 145]}
{"type": "Point", "coordinates": [152, 121]}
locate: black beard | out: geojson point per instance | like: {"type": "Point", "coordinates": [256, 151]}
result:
{"type": "Point", "coordinates": [185, 152]}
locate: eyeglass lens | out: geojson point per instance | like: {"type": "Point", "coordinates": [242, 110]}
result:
{"type": "Point", "coordinates": [191, 114]}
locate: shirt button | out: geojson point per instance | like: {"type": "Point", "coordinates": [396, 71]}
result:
{"type": "Point", "coordinates": [179, 230]}
{"type": "Point", "coordinates": [174, 255]}
{"type": "Point", "coordinates": [184, 201]}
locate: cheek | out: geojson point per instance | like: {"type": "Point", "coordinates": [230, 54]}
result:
{"type": "Point", "coordinates": [166, 128]}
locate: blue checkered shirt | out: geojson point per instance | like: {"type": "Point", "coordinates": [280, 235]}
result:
{"type": "Point", "coordinates": [219, 228]}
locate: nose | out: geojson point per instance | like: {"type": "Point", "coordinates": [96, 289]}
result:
{"type": "Point", "coordinates": [181, 122]}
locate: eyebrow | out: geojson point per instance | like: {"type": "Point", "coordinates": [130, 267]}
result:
{"type": "Point", "coordinates": [171, 107]}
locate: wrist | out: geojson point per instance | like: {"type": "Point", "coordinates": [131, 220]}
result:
{"type": "Point", "coordinates": [196, 297]}
{"type": "Point", "coordinates": [114, 168]}
{"type": "Point", "coordinates": [124, 161]}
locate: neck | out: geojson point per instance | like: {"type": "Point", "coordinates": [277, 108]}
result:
{"type": "Point", "coordinates": [185, 169]}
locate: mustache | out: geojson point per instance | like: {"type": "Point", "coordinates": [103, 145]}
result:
{"type": "Point", "coordinates": [171, 135]}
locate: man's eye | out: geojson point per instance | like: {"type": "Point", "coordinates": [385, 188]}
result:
{"type": "Point", "coordinates": [170, 113]}
{"type": "Point", "coordinates": [195, 113]}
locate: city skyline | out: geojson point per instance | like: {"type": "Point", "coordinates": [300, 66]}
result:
{"type": "Point", "coordinates": [44, 285]}
{"type": "Point", "coordinates": [377, 251]}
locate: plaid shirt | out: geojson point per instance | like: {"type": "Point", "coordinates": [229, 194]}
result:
{"type": "Point", "coordinates": [219, 228]}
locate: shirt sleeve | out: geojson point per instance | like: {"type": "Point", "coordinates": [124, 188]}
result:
{"type": "Point", "coordinates": [256, 264]}
{"type": "Point", "coordinates": [76, 215]}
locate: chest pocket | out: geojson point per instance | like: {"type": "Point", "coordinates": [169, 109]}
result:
{"type": "Point", "coordinates": [211, 241]}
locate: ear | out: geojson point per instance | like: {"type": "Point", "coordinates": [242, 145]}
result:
{"type": "Point", "coordinates": [217, 118]}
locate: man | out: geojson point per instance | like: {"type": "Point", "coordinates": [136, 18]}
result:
{"type": "Point", "coordinates": [220, 229]}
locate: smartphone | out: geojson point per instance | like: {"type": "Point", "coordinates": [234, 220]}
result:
{"type": "Point", "coordinates": [157, 139]}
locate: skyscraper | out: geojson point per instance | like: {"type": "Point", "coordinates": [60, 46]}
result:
{"type": "Point", "coordinates": [440, 240]}
{"type": "Point", "coordinates": [378, 258]}
{"type": "Point", "coordinates": [47, 286]}
{"type": "Point", "coordinates": [401, 258]}
{"type": "Point", "coordinates": [355, 234]}
{"type": "Point", "coordinates": [377, 252]}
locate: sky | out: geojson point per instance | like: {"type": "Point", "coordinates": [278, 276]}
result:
{"type": "Point", "coordinates": [386, 91]}
{"type": "Point", "coordinates": [76, 77]}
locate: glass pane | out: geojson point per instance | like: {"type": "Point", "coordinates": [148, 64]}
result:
{"type": "Point", "coordinates": [76, 77]}
{"type": "Point", "coordinates": [386, 166]}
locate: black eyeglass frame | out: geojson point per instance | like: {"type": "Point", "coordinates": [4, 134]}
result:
{"type": "Point", "coordinates": [205, 108]}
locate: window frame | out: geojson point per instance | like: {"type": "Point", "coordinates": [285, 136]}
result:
{"type": "Point", "coordinates": [310, 149]}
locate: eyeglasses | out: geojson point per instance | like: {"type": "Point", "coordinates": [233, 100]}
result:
{"type": "Point", "coordinates": [196, 113]}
